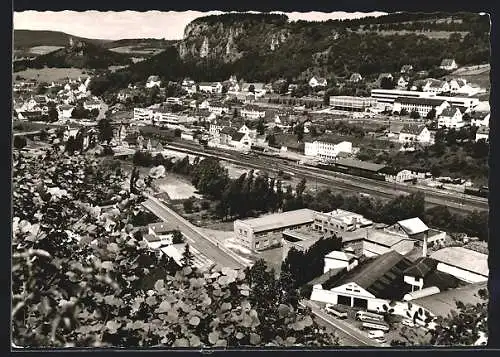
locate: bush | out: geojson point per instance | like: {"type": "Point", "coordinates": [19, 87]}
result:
{"type": "Point", "coordinates": [188, 205]}
{"type": "Point", "coordinates": [20, 142]}
{"type": "Point", "coordinates": [177, 237]}
{"type": "Point", "coordinates": [205, 205]}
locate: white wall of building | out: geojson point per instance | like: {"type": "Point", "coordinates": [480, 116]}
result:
{"type": "Point", "coordinates": [461, 274]}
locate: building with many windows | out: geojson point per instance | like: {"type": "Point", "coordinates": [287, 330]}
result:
{"type": "Point", "coordinates": [324, 149]}
{"type": "Point", "coordinates": [351, 103]}
{"type": "Point", "coordinates": [420, 105]}
{"type": "Point", "coordinates": [260, 233]}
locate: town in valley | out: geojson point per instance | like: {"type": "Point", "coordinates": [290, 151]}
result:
{"type": "Point", "coordinates": [260, 182]}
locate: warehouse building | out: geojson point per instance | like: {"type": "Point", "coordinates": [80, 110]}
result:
{"type": "Point", "coordinates": [259, 233]}
{"type": "Point", "coordinates": [464, 264]}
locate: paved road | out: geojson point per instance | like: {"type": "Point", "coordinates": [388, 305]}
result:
{"type": "Point", "coordinates": [457, 202]}
{"type": "Point", "coordinates": [217, 254]}
{"type": "Point", "coordinates": [348, 335]}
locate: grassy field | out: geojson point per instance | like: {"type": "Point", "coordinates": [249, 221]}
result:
{"type": "Point", "coordinates": [42, 50]}
{"type": "Point", "coordinates": [51, 74]}
{"type": "Point", "coordinates": [135, 50]}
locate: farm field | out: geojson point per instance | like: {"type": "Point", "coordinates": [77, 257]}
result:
{"type": "Point", "coordinates": [42, 50]}
{"type": "Point", "coordinates": [51, 74]}
{"type": "Point", "coordinates": [137, 50]}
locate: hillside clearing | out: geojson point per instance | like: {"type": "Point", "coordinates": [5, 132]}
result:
{"type": "Point", "coordinates": [51, 74]}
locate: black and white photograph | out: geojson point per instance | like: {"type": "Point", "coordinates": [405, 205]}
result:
{"type": "Point", "coordinates": [235, 180]}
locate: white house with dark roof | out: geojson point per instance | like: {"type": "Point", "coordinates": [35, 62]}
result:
{"type": "Point", "coordinates": [451, 117]}
{"type": "Point", "coordinates": [436, 86]}
{"type": "Point", "coordinates": [413, 133]}
{"type": "Point", "coordinates": [64, 111]}
{"type": "Point", "coordinates": [480, 119]}
{"type": "Point", "coordinates": [241, 141]}
{"type": "Point", "coordinates": [211, 87]}
{"type": "Point", "coordinates": [448, 64]}
{"type": "Point", "coordinates": [355, 77]}
{"type": "Point", "coordinates": [153, 81]}
{"type": "Point", "coordinates": [318, 82]}
{"type": "Point", "coordinates": [406, 68]}
{"type": "Point", "coordinates": [464, 264]}
{"type": "Point", "coordinates": [402, 82]}
{"type": "Point", "coordinates": [424, 274]}
{"type": "Point", "coordinates": [483, 133]}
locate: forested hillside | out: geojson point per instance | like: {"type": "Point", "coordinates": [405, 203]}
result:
{"type": "Point", "coordinates": [260, 47]}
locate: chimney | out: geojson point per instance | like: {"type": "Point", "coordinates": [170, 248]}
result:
{"type": "Point", "coordinates": [424, 248]}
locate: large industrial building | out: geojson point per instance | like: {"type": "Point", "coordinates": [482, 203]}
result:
{"type": "Point", "coordinates": [259, 233]}
{"type": "Point", "coordinates": [351, 103]}
{"type": "Point", "coordinates": [387, 97]}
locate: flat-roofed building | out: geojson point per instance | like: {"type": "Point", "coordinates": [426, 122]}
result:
{"type": "Point", "coordinates": [464, 264]}
{"type": "Point", "coordinates": [351, 103]}
{"type": "Point", "coordinates": [327, 149]}
{"type": "Point", "coordinates": [380, 242]}
{"type": "Point", "coordinates": [388, 96]}
{"type": "Point", "coordinates": [420, 105]}
{"type": "Point", "coordinates": [300, 239]}
{"type": "Point", "coordinates": [257, 233]}
{"type": "Point", "coordinates": [339, 220]}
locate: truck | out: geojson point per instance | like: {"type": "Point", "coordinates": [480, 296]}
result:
{"type": "Point", "coordinates": [372, 325]}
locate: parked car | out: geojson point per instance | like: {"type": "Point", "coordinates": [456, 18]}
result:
{"type": "Point", "coordinates": [408, 323]}
{"type": "Point", "coordinates": [374, 334]}
{"type": "Point", "coordinates": [381, 340]}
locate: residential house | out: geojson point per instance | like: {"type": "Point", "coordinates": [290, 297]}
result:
{"type": "Point", "coordinates": [394, 130]}
{"type": "Point", "coordinates": [326, 148]}
{"type": "Point", "coordinates": [218, 108]}
{"type": "Point", "coordinates": [456, 84]}
{"type": "Point", "coordinates": [421, 105]}
{"type": "Point", "coordinates": [448, 64]}
{"type": "Point", "coordinates": [211, 87]}
{"type": "Point", "coordinates": [406, 69]}
{"type": "Point", "coordinates": [317, 82]}
{"type": "Point", "coordinates": [252, 112]}
{"type": "Point", "coordinates": [436, 86]}
{"type": "Point", "coordinates": [483, 133]}
{"type": "Point", "coordinates": [402, 82]}
{"type": "Point", "coordinates": [451, 117]}
{"type": "Point", "coordinates": [480, 119]}
{"type": "Point", "coordinates": [92, 104]}
{"type": "Point", "coordinates": [355, 77]}
{"type": "Point", "coordinates": [153, 81]}
{"type": "Point", "coordinates": [464, 264]}
{"type": "Point", "coordinates": [241, 141]}
{"type": "Point", "coordinates": [246, 130]}
{"type": "Point", "coordinates": [384, 75]}
{"type": "Point", "coordinates": [258, 89]}
{"type": "Point", "coordinates": [65, 111]}
{"type": "Point", "coordinates": [414, 133]}
{"type": "Point", "coordinates": [204, 105]}
{"type": "Point", "coordinates": [188, 82]}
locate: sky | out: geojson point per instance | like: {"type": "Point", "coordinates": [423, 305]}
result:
{"type": "Point", "coordinates": [132, 24]}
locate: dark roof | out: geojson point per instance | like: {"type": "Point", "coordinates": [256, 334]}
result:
{"type": "Point", "coordinates": [396, 128]}
{"type": "Point", "coordinates": [228, 130]}
{"type": "Point", "coordinates": [326, 276]}
{"type": "Point", "coordinates": [412, 129]}
{"type": "Point", "coordinates": [420, 101]}
{"type": "Point", "coordinates": [382, 276]}
{"type": "Point", "coordinates": [447, 62]}
{"type": "Point", "coordinates": [450, 111]}
{"type": "Point", "coordinates": [363, 165]}
{"type": "Point", "coordinates": [237, 136]}
{"type": "Point", "coordinates": [422, 267]}
{"type": "Point", "coordinates": [442, 280]}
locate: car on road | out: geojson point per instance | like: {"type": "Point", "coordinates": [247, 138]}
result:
{"type": "Point", "coordinates": [408, 323]}
{"type": "Point", "coordinates": [381, 340]}
{"type": "Point", "coordinates": [374, 334]}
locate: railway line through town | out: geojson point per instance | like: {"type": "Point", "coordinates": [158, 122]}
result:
{"type": "Point", "coordinates": [459, 203]}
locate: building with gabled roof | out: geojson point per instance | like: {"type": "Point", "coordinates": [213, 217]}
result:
{"type": "Point", "coordinates": [448, 64]}
{"type": "Point", "coordinates": [355, 77]}
{"type": "Point", "coordinates": [414, 133]}
{"type": "Point", "coordinates": [451, 117]}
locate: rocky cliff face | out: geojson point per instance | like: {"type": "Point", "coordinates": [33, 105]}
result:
{"type": "Point", "coordinates": [228, 42]}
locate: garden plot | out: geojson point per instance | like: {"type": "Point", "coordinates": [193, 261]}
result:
{"type": "Point", "coordinates": [176, 189]}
